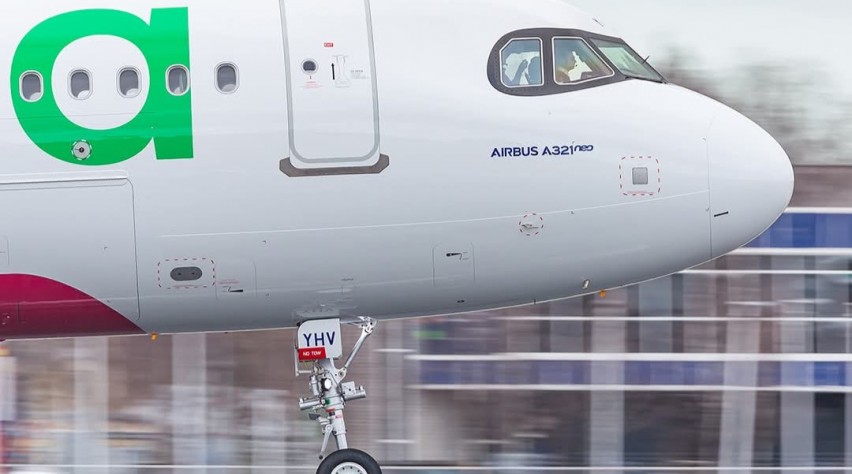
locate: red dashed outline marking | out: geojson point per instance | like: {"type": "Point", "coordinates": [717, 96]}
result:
{"type": "Point", "coordinates": [185, 287]}
{"type": "Point", "coordinates": [527, 216]}
{"type": "Point", "coordinates": [640, 193]}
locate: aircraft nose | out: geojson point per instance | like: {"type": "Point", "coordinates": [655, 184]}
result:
{"type": "Point", "coordinates": [751, 181]}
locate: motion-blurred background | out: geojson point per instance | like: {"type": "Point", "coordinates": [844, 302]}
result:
{"type": "Point", "coordinates": [742, 362]}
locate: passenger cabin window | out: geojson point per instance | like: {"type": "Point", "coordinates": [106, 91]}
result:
{"type": "Point", "coordinates": [574, 62]}
{"type": "Point", "coordinates": [521, 63]}
{"type": "Point", "coordinates": [80, 85]}
{"type": "Point", "coordinates": [31, 86]}
{"type": "Point", "coordinates": [627, 61]}
{"type": "Point", "coordinates": [227, 80]}
{"type": "Point", "coordinates": [128, 83]}
{"type": "Point", "coordinates": [178, 80]}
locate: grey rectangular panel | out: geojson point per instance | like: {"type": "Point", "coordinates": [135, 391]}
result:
{"type": "Point", "coordinates": [640, 176]}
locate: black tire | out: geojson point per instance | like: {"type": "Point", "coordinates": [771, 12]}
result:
{"type": "Point", "coordinates": [344, 456]}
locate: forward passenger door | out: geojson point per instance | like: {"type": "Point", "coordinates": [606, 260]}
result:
{"type": "Point", "coordinates": [332, 96]}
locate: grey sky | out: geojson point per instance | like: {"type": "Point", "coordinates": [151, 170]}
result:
{"type": "Point", "coordinates": [723, 34]}
{"type": "Point", "coordinates": [808, 104]}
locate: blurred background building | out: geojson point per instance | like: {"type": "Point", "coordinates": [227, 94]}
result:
{"type": "Point", "coordinates": [745, 361]}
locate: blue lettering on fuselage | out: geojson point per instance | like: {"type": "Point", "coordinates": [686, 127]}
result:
{"type": "Point", "coordinates": [535, 151]}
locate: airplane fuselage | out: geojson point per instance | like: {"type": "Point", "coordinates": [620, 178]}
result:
{"type": "Point", "coordinates": [361, 162]}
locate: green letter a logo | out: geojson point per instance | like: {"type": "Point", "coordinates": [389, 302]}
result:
{"type": "Point", "coordinates": [165, 118]}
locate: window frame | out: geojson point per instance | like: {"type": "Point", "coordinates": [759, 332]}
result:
{"type": "Point", "coordinates": [636, 56]}
{"type": "Point", "coordinates": [550, 87]}
{"type": "Point", "coordinates": [138, 81]}
{"type": "Point", "coordinates": [236, 77]}
{"type": "Point", "coordinates": [591, 48]}
{"type": "Point", "coordinates": [91, 83]}
{"type": "Point", "coordinates": [21, 85]}
{"type": "Point", "coordinates": [188, 79]}
{"type": "Point", "coordinates": [541, 56]}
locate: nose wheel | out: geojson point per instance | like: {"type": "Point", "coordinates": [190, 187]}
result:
{"type": "Point", "coordinates": [349, 461]}
{"type": "Point", "coordinates": [329, 393]}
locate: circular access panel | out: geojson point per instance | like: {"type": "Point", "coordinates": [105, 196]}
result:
{"type": "Point", "coordinates": [82, 150]}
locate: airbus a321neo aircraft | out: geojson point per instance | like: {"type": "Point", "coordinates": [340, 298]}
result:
{"type": "Point", "coordinates": [180, 166]}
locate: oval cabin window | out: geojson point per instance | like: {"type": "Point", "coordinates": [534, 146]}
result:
{"type": "Point", "coordinates": [227, 80]}
{"type": "Point", "coordinates": [80, 85]}
{"type": "Point", "coordinates": [128, 83]}
{"type": "Point", "coordinates": [178, 80]}
{"type": "Point", "coordinates": [31, 86]}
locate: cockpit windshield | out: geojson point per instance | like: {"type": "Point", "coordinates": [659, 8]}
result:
{"type": "Point", "coordinates": [545, 61]}
{"type": "Point", "coordinates": [627, 61]}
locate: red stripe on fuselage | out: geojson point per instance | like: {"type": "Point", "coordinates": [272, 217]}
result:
{"type": "Point", "coordinates": [38, 307]}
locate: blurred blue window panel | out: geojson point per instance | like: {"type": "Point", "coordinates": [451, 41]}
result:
{"type": "Point", "coordinates": [832, 230]}
{"type": "Point", "coordinates": [476, 373]}
{"type": "Point", "coordinates": [674, 373]}
{"type": "Point", "coordinates": [808, 231]}
{"type": "Point", "coordinates": [779, 235]}
{"type": "Point", "coordinates": [436, 373]}
{"type": "Point", "coordinates": [637, 373]}
{"type": "Point", "coordinates": [667, 373]}
{"type": "Point", "coordinates": [707, 373]}
{"type": "Point", "coordinates": [804, 230]}
{"type": "Point", "coordinates": [570, 372]}
{"type": "Point", "coordinates": [516, 373]}
{"type": "Point", "coordinates": [797, 374]}
{"type": "Point", "coordinates": [769, 374]}
{"type": "Point", "coordinates": [830, 374]}
{"type": "Point", "coordinates": [582, 372]}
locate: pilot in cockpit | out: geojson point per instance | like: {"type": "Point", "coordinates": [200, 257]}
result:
{"type": "Point", "coordinates": [576, 62]}
{"type": "Point", "coordinates": [571, 67]}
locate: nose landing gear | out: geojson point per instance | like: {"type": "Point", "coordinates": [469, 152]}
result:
{"type": "Point", "coordinates": [329, 393]}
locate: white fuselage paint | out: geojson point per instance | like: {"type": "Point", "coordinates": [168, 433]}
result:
{"type": "Point", "coordinates": [445, 228]}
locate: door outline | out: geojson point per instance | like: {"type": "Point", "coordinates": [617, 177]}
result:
{"type": "Point", "coordinates": [56, 182]}
{"type": "Point", "coordinates": [286, 165]}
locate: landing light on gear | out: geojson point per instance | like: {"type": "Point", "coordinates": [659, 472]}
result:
{"type": "Point", "coordinates": [318, 343]}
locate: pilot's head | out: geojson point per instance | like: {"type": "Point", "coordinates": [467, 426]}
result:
{"type": "Point", "coordinates": [569, 58]}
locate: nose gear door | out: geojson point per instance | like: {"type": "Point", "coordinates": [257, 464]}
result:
{"type": "Point", "coordinates": [332, 96]}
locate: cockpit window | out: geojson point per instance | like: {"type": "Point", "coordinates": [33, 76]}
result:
{"type": "Point", "coordinates": [627, 61]}
{"type": "Point", "coordinates": [575, 62]}
{"type": "Point", "coordinates": [521, 63]}
{"type": "Point", "coordinates": [537, 62]}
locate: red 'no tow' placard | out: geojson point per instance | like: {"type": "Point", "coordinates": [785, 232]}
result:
{"type": "Point", "coordinates": [312, 353]}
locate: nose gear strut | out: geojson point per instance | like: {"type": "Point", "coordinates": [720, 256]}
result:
{"type": "Point", "coordinates": [329, 394]}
